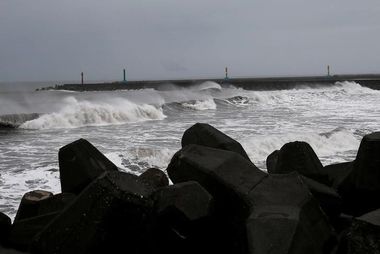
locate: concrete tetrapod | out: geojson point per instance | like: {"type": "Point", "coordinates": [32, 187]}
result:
{"type": "Point", "coordinates": [364, 234]}
{"type": "Point", "coordinates": [299, 156]}
{"type": "Point", "coordinates": [286, 218]}
{"type": "Point", "coordinates": [338, 172]}
{"type": "Point", "coordinates": [206, 135]}
{"type": "Point", "coordinates": [79, 164]}
{"type": "Point", "coordinates": [183, 212]}
{"type": "Point", "coordinates": [5, 227]}
{"type": "Point", "coordinates": [228, 177]}
{"type": "Point", "coordinates": [360, 190]}
{"type": "Point", "coordinates": [31, 203]}
{"type": "Point", "coordinates": [37, 209]}
{"type": "Point", "coordinates": [329, 200]}
{"type": "Point", "coordinates": [155, 178]}
{"type": "Point", "coordinates": [113, 213]}
{"type": "Point", "coordinates": [271, 161]}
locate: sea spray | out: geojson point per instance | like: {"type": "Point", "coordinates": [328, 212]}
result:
{"type": "Point", "coordinates": [339, 141]}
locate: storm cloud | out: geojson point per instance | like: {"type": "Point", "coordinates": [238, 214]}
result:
{"type": "Point", "coordinates": [168, 39]}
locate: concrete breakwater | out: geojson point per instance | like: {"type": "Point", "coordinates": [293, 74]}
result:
{"type": "Point", "coordinates": [220, 202]}
{"type": "Point", "coordinates": [274, 83]}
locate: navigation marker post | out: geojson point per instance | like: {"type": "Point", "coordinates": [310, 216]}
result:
{"type": "Point", "coordinates": [124, 76]}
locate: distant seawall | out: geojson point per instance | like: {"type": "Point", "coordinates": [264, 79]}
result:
{"type": "Point", "coordinates": [275, 83]}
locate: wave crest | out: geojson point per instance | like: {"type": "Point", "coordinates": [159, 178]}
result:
{"type": "Point", "coordinates": [207, 85]}
{"type": "Point", "coordinates": [200, 105]}
{"type": "Point", "coordinates": [351, 87]}
{"type": "Point", "coordinates": [85, 113]}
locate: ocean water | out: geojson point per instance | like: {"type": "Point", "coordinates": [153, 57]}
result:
{"type": "Point", "coordinates": [138, 129]}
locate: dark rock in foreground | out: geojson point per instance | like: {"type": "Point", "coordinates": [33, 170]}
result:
{"type": "Point", "coordinates": [79, 164]}
{"type": "Point", "coordinates": [206, 135]}
{"type": "Point", "coordinates": [23, 231]}
{"type": "Point", "coordinates": [10, 251]}
{"type": "Point", "coordinates": [228, 176]}
{"type": "Point", "coordinates": [183, 212]}
{"type": "Point", "coordinates": [271, 161]}
{"type": "Point", "coordinates": [279, 205]}
{"type": "Point", "coordinates": [30, 204]}
{"type": "Point", "coordinates": [220, 203]}
{"type": "Point", "coordinates": [286, 218]}
{"type": "Point", "coordinates": [37, 209]}
{"type": "Point", "coordinates": [189, 199]}
{"type": "Point", "coordinates": [361, 188]}
{"type": "Point", "coordinates": [5, 227]}
{"type": "Point", "coordinates": [364, 235]}
{"type": "Point", "coordinates": [338, 172]}
{"type": "Point", "coordinates": [111, 214]}
{"type": "Point", "coordinates": [329, 200]}
{"type": "Point", "coordinates": [155, 178]}
{"type": "Point", "coordinates": [56, 203]}
{"type": "Point", "coordinates": [298, 156]}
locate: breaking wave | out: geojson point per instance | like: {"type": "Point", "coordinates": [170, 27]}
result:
{"type": "Point", "coordinates": [93, 109]}
{"type": "Point", "coordinates": [207, 85]}
{"type": "Point", "coordinates": [350, 87]}
{"type": "Point", "coordinates": [200, 105]}
{"type": "Point", "coordinates": [238, 100]}
{"type": "Point", "coordinates": [85, 113]}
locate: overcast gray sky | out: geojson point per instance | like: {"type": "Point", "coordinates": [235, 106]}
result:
{"type": "Point", "coordinates": [169, 39]}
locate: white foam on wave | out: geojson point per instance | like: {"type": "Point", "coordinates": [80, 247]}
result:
{"type": "Point", "coordinates": [77, 113]}
{"type": "Point", "coordinates": [200, 105]}
{"type": "Point", "coordinates": [351, 87]}
{"type": "Point", "coordinates": [237, 101]}
{"type": "Point", "coordinates": [207, 85]}
{"type": "Point", "coordinates": [268, 97]}
{"type": "Point", "coordinates": [308, 95]}
{"type": "Point", "coordinates": [15, 184]}
{"type": "Point", "coordinates": [347, 87]}
{"type": "Point", "coordinates": [136, 160]}
{"type": "Point", "coordinates": [325, 146]}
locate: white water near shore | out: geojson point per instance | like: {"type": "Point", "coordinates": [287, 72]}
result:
{"type": "Point", "coordinates": [138, 129]}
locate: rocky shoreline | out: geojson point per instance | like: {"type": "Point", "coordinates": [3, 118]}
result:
{"type": "Point", "coordinates": [219, 202]}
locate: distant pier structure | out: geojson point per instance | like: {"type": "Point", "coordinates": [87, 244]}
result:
{"type": "Point", "coordinates": [81, 76]}
{"type": "Point", "coordinates": [328, 70]}
{"type": "Point", "coordinates": [226, 72]}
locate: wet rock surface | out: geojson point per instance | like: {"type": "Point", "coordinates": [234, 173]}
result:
{"type": "Point", "coordinates": [360, 189]}
{"type": "Point", "coordinates": [79, 164]}
{"type": "Point", "coordinates": [220, 202]}
{"type": "Point", "coordinates": [155, 178]}
{"type": "Point", "coordinates": [206, 135]}
{"type": "Point", "coordinates": [297, 156]}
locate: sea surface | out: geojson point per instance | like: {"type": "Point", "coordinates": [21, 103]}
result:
{"type": "Point", "coordinates": [138, 129]}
